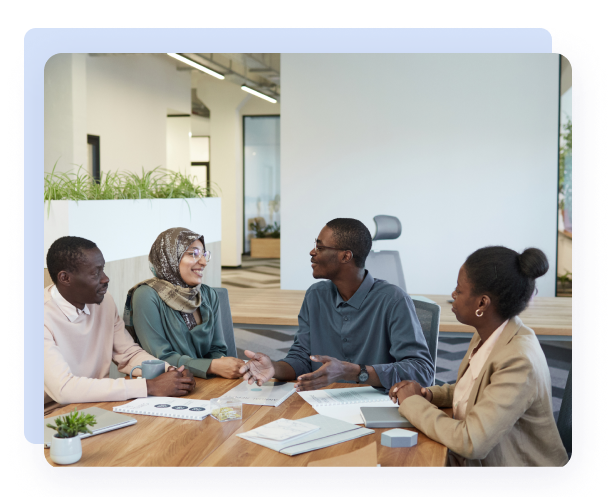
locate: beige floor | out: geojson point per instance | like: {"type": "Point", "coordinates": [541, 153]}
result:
{"type": "Point", "coordinates": [254, 273]}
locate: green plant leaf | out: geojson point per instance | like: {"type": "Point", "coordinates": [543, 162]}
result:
{"type": "Point", "coordinates": [72, 424]}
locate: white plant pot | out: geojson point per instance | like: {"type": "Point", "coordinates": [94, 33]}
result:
{"type": "Point", "coordinates": [65, 450]}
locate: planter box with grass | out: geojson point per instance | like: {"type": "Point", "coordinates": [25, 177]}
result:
{"type": "Point", "coordinates": [265, 248]}
{"type": "Point", "coordinates": [125, 228]}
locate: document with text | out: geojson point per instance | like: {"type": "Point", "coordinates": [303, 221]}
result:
{"type": "Point", "coordinates": [345, 403]}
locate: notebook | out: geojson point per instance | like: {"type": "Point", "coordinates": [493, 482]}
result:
{"type": "Point", "coordinates": [331, 432]}
{"type": "Point", "coordinates": [105, 421]}
{"type": "Point", "coordinates": [170, 407]}
{"type": "Point", "coordinates": [383, 417]}
{"type": "Point", "coordinates": [271, 393]}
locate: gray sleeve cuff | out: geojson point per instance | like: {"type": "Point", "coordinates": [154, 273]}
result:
{"type": "Point", "coordinates": [390, 374]}
{"type": "Point", "coordinates": [199, 367]}
{"type": "Point", "coordinates": [297, 365]}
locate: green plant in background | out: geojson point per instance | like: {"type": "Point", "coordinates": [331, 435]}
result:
{"type": "Point", "coordinates": [274, 230]}
{"type": "Point", "coordinates": [564, 150]}
{"type": "Point", "coordinates": [565, 278]}
{"type": "Point", "coordinates": [157, 183]}
{"type": "Point", "coordinates": [73, 424]}
{"type": "Point", "coordinates": [268, 231]}
{"type": "Point", "coordinates": [260, 232]}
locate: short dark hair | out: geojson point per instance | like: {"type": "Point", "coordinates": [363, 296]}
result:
{"type": "Point", "coordinates": [351, 234]}
{"type": "Point", "coordinates": [65, 254]}
{"type": "Point", "coordinates": [506, 276]}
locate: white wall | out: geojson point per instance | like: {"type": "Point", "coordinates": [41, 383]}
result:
{"type": "Point", "coordinates": [124, 99]}
{"type": "Point", "coordinates": [178, 144]}
{"type": "Point", "coordinates": [128, 98]}
{"type": "Point", "coordinates": [227, 102]}
{"type": "Point", "coordinates": [462, 148]}
{"type": "Point", "coordinates": [65, 112]}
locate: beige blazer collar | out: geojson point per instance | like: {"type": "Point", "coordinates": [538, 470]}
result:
{"type": "Point", "coordinates": [514, 324]}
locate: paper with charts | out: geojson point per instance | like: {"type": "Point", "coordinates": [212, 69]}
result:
{"type": "Point", "coordinates": [271, 393]}
{"type": "Point", "coordinates": [170, 407]}
{"type": "Point", "coordinates": [345, 403]}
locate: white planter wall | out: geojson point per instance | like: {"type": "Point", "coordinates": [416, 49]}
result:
{"type": "Point", "coordinates": [124, 230]}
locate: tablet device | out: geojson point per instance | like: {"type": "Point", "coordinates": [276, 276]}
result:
{"type": "Point", "coordinates": [105, 421]}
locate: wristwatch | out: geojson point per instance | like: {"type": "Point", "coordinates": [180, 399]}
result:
{"type": "Point", "coordinates": [363, 374]}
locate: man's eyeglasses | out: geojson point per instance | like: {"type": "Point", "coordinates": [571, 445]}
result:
{"type": "Point", "coordinates": [318, 248]}
{"type": "Point", "coordinates": [197, 253]}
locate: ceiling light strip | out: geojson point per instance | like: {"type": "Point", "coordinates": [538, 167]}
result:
{"type": "Point", "coordinates": [259, 94]}
{"type": "Point", "coordinates": [195, 65]}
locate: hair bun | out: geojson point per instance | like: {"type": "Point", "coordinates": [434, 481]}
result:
{"type": "Point", "coordinates": [533, 263]}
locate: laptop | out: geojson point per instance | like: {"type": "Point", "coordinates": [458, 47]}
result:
{"type": "Point", "coordinates": [105, 421]}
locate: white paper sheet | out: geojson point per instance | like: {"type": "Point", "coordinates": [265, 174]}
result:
{"type": "Point", "coordinates": [340, 396]}
{"type": "Point", "coordinates": [282, 430]}
{"type": "Point", "coordinates": [271, 393]}
{"type": "Point", "coordinates": [350, 413]}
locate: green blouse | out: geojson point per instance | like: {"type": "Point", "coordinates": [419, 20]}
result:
{"type": "Point", "coordinates": [163, 333]}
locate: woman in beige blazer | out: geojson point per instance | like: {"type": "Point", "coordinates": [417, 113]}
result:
{"type": "Point", "coordinates": [502, 398]}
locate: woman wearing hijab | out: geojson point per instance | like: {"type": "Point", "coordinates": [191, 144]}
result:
{"type": "Point", "coordinates": [173, 315]}
{"type": "Point", "coordinates": [502, 399]}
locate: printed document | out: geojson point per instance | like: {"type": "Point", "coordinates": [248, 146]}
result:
{"type": "Point", "coordinates": [345, 403]}
{"type": "Point", "coordinates": [271, 393]}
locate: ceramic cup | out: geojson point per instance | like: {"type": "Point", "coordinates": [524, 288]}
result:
{"type": "Point", "coordinates": [150, 369]}
{"type": "Point", "coordinates": [65, 450]}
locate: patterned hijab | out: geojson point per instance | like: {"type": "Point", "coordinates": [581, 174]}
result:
{"type": "Point", "coordinates": [165, 256]}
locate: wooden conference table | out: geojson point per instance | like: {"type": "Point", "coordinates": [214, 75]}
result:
{"type": "Point", "coordinates": [159, 441]}
{"type": "Point", "coordinates": [549, 317]}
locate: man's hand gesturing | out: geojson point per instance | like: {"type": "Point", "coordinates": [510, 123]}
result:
{"type": "Point", "coordinates": [331, 371]}
{"type": "Point", "coordinates": [259, 368]}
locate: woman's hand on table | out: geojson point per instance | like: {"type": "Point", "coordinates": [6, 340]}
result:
{"type": "Point", "coordinates": [403, 389]}
{"type": "Point", "coordinates": [226, 367]}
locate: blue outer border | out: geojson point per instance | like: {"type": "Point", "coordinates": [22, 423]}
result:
{"type": "Point", "coordinates": [35, 476]}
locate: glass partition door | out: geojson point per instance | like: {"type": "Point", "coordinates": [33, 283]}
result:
{"type": "Point", "coordinates": [261, 174]}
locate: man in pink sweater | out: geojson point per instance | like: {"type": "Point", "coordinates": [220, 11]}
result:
{"type": "Point", "coordinates": [84, 333]}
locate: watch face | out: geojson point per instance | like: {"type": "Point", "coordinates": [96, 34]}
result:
{"type": "Point", "coordinates": [363, 376]}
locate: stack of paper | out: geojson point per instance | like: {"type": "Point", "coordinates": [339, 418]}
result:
{"type": "Point", "coordinates": [330, 432]}
{"type": "Point", "coordinates": [281, 430]}
{"type": "Point", "coordinates": [345, 403]}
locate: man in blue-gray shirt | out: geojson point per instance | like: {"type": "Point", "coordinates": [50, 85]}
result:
{"type": "Point", "coordinates": [352, 328]}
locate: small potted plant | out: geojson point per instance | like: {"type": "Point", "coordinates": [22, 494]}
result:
{"type": "Point", "coordinates": [66, 444]}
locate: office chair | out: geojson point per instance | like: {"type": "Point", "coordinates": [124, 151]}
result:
{"type": "Point", "coordinates": [227, 321]}
{"type": "Point", "coordinates": [565, 415]}
{"type": "Point", "coordinates": [429, 315]}
{"type": "Point", "coordinates": [386, 264]}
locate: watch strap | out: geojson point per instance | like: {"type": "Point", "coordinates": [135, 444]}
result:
{"type": "Point", "coordinates": [362, 369]}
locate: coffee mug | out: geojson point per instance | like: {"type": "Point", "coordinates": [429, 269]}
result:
{"type": "Point", "coordinates": [150, 369]}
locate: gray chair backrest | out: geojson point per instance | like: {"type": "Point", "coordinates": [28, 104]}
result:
{"type": "Point", "coordinates": [227, 321]}
{"type": "Point", "coordinates": [429, 317]}
{"type": "Point", "coordinates": [386, 265]}
{"type": "Point", "coordinates": [387, 228]}
{"type": "Point", "coordinates": [565, 415]}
